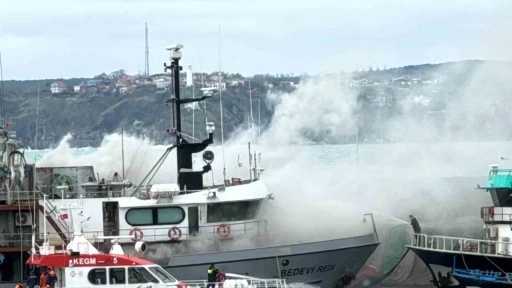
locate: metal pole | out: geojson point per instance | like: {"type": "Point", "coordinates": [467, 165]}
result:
{"type": "Point", "coordinates": [252, 117]}
{"type": "Point", "coordinates": [357, 139]}
{"type": "Point", "coordinates": [122, 147]}
{"type": "Point", "coordinates": [37, 115]}
{"type": "Point", "coordinates": [250, 162]}
{"type": "Point", "coordinates": [259, 118]}
{"type": "Point", "coordinates": [45, 220]}
{"type": "Point", "coordinates": [221, 119]}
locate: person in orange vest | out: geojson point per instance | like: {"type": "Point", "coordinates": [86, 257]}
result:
{"type": "Point", "coordinates": [42, 279]}
{"type": "Point", "coordinates": [19, 285]}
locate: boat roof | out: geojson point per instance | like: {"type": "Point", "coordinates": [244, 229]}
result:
{"type": "Point", "coordinates": [96, 260]}
{"type": "Point", "coordinates": [499, 178]}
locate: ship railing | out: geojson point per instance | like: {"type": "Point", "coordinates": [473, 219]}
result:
{"type": "Point", "coordinates": [250, 228]}
{"type": "Point", "coordinates": [463, 245]}
{"type": "Point", "coordinates": [240, 283]}
{"type": "Point", "coordinates": [243, 283]}
{"type": "Point", "coordinates": [18, 196]}
{"type": "Point", "coordinates": [25, 239]}
{"type": "Point", "coordinates": [96, 190]}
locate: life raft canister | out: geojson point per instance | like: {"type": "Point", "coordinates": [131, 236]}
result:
{"type": "Point", "coordinates": [223, 230]}
{"type": "Point", "coordinates": [221, 277]}
{"type": "Point", "coordinates": [151, 195]}
{"type": "Point", "coordinates": [134, 232]}
{"type": "Point", "coordinates": [174, 233]}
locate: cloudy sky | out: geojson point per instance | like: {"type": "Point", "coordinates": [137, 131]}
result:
{"type": "Point", "coordinates": [72, 38]}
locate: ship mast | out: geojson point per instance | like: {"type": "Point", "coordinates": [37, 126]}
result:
{"type": "Point", "coordinates": [187, 178]}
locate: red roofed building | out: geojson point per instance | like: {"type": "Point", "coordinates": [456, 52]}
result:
{"type": "Point", "coordinates": [57, 87]}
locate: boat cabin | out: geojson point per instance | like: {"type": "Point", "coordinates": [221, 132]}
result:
{"type": "Point", "coordinates": [156, 213]}
{"type": "Point", "coordinates": [498, 218]}
{"type": "Point", "coordinates": [103, 270]}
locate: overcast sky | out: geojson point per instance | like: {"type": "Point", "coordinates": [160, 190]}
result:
{"type": "Point", "coordinates": [68, 38]}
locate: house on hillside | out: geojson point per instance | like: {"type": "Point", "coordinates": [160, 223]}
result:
{"type": "Point", "coordinates": [125, 81]}
{"type": "Point", "coordinates": [215, 85]}
{"type": "Point", "coordinates": [57, 87]}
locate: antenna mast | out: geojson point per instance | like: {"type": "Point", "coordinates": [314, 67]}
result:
{"type": "Point", "coordinates": [187, 178]}
{"type": "Point", "coordinates": [2, 94]}
{"type": "Point", "coordinates": [252, 117]}
{"type": "Point", "coordinates": [146, 67]}
{"type": "Point", "coordinates": [221, 119]}
{"type": "Point", "coordinates": [37, 115]}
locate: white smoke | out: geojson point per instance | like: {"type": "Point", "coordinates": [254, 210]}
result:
{"type": "Point", "coordinates": [325, 187]}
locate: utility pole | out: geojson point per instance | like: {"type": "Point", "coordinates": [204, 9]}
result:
{"type": "Point", "coordinates": [146, 67]}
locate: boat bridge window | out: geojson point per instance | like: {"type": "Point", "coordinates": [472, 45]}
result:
{"type": "Point", "coordinates": [232, 211]}
{"type": "Point", "coordinates": [162, 274]}
{"type": "Point", "coordinates": [155, 216]}
{"type": "Point", "coordinates": [117, 276]}
{"type": "Point", "coordinates": [140, 275]}
{"type": "Point", "coordinates": [98, 276]}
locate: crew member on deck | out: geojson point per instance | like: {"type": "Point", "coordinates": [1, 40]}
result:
{"type": "Point", "coordinates": [212, 276]}
{"type": "Point", "coordinates": [51, 278]}
{"type": "Point", "coordinates": [42, 279]}
{"type": "Point", "coordinates": [19, 285]}
{"type": "Point", "coordinates": [417, 229]}
{"type": "Point", "coordinates": [32, 280]}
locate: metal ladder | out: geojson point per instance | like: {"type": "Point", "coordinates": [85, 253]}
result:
{"type": "Point", "coordinates": [52, 211]}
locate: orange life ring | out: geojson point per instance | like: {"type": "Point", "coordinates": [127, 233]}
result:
{"type": "Point", "coordinates": [176, 230]}
{"type": "Point", "coordinates": [491, 212]}
{"type": "Point", "coordinates": [223, 230]}
{"type": "Point", "coordinates": [135, 238]}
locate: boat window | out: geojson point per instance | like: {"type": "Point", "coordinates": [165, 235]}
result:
{"type": "Point", "coordinates": [162, 274]}
{"type": "Point", "coordinates": [232, 211]}
{"type": "Point", "coordinates": [136, 217]}
{"type": "Point", "coordinates": [140, 275]}
{"type": "Point", "coordinates": [117, 276]}
{"type": "Point", "coordinates": [98, 276]}
{"type": "Point", "coordinates": [155, 216]}
{"type": "Point", "coordinates": [170, 215]}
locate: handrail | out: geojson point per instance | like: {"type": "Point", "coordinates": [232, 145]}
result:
{"type": "Point", "coordinates": [251, 283]}
{"type": "Point", "coordinates": [263, 283]}
{"type": "Point", "coordinates": [257, 227]}
{"type": "Point", "coordinates": [462, 245]}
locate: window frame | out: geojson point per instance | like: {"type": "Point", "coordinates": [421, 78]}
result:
{"type": "Point", "coordinates": [154, 211]}
{"type": "Point", "coordinates": [94, 269]}
{"type": "Point", "coordinates": [256, 211]}
{"type": "Point", "coordinates": [157, 274]}
{"type": "Point", "coordinates": [144, 269]}
{"type": "Point", "coordinates": [125, 276]}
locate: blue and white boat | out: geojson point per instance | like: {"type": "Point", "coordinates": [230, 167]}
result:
{"type": "Point", "coordinates": [465, 262]}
